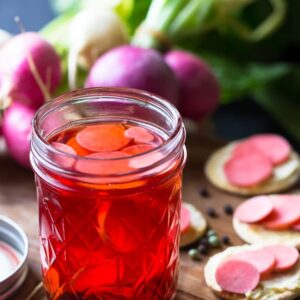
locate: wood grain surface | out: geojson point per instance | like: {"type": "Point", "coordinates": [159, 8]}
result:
{"type": "Point", "coordinates": [18, 201]}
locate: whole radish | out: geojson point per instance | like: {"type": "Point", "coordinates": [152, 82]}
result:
{"type": "Point", "coordinates": [29, 69]}
{"type": "Point", "coordinates": [16, 127]}
{"type": "Point", "coordinates": [129, 66]}
{"type": "Point", "coordinates": [199, 88]}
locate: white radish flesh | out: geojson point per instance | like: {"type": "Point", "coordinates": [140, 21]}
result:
{"type": "Point", "coordinates": [91, 34]}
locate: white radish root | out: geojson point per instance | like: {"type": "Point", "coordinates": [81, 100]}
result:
{"type": "Point", "coordinates": [91, 34]}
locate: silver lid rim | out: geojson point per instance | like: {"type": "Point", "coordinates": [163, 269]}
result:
{"type": "Point", "coordinates": [21, 268]}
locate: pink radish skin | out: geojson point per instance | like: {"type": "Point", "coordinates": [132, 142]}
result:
{"type": "Point", "coordinates": [199, 89]}
{"type": "Point", "coordinates": [129, 66]}
{"type": "Point", "coordinates": [18, 81]}
{"type": "Point", "coordinates": [17, 131]}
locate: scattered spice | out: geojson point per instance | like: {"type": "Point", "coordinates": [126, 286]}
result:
{"type": "Point", "coordinates": [211, 212]}
{"type": "Point", "coordinates": [194, 254]}
{"type": "Point", "coordinates": [225, 240]}
{"type": "Point", "coordinates": [204, 193]}
{"type": "Point", "coordinates": [228, 209]}
{"type": "Point", "coordinates": [214, 241]}
{"type": "Point", "coordinates": [203, 249]}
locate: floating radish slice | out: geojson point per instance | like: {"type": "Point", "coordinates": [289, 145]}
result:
{"type": "Point", "coordinates": [248, 170]}
{"type": "Point", "coordinates": [105, 165]}
{"type": "Point", "coordinates": [185, 218]}
{"type": "Point", "coordinates": [261, 259]}
{"type": "Point", "coordinates": [138, 149]}
{"type": "Point", "coordinates": [127, 226]}
{"type": "Point", "coordinates": [64, 148]}
{"type": "Point", "coordinates": [145, 160]}
{"type": "Point", "coordinates": [66, 162]}
{"type": "Point", "coordinates": [254, 210]}
{"type": "Point", "coordinates": [285, 257]}
{"type": "Point", "coordinates": [139, 134]}
{"type": "Point", "coordinates": [102, 138]}
{"type": "Point", "coordinates": [237, 276]}
{"type": "Point", "coordinates": [72, 142]}
{"type": "Point", "coordinates": [275, 147]}
{"type": "Point", "coordinates": [286, 212]}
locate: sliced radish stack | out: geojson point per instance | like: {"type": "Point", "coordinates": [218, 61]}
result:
{"type": "Point", "coordinates": [248, 170]}
{"type": "Point", "coordinates": [237, 276]}
{"type": "Point", "coordinates": [276, 212]}
{"type": "Point", "coordinates": [242, 271]}
{"type": "Point", "coordinates": [254, 209]}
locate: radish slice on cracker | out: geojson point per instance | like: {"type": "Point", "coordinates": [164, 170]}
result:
{"type": "Point", "coordinates": [197, 226]}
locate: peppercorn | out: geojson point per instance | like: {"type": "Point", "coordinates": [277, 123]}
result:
{"type": "Point", "coordinates": [203, 249]}
{"type": "Point", "coordinates": [225, 240]}
{"type": "Point", "coordinates": [194, 254]}
{"type": "Point", "coordinates": [228, 209]}
{"type": "Point", "coordinates": [211, 232]}
{"type": "Point", "coordinates": [214, 241]}
{"type": "Point", "coordinates": [204, 193]}
{"type": "Point", "coordinates": [211, 212]}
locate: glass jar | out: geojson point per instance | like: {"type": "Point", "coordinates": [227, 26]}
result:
{"type": "Point", "coordinates": [113, 234]}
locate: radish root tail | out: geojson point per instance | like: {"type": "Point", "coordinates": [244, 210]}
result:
{"type": "Point", "coordinates": [72, 69]}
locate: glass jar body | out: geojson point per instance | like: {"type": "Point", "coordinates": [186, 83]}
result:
{"type": "Point", "coordinates": [112, 237]}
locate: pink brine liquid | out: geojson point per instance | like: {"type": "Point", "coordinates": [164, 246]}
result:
{"type": "Point", "coordinates": [105, 239]}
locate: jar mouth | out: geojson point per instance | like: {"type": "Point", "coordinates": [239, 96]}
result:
{"type": "Point", "coordinates": [41, 148]}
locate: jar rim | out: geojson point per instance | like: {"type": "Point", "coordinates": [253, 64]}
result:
{"type": "Point", "coordinates": [107, 92]}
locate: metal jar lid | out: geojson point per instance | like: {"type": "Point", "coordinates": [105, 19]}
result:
{"type": "Point", "coordinates": [14, 236]}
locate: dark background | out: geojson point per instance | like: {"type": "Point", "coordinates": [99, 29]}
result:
{"type": "Point", "coordinates": [232, 121]}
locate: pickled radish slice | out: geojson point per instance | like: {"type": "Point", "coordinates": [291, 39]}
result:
{"type": "Point", "coordinates": [138, 149]}
{"type": "Point", "coordinates": [275, 147]}
{"type": "Point", "coordinates": [248, 170]}
{"type": "Point", "coordinates": [66, 162]}
{"type": "Point", "coordinates": [237, 276]}
{"type": "Point", "coordinates": [120, 222]}
{"type": "Point", "coordinates": [64, 148]}
{"type": "Point", "coordinates": [286, 212]}
{"type": "Point", "coordinates": [72, 142]}
{"type": "Point", "coordinates": [185, 218]}
{"type": "Point", "coordinates": [103, 137]}
{"type": "Point", "coordinates": [105, 165]}
{"type": "Point", "coordinates": [139, 134]}
{"type": "Point", "coordinates": [261, 259]}
{"type": "Point", "coordinates": [285, 256]}
{"type": "Point", "coordinates": [145, 160]}
{"type": "Point", "coordinates": [254, 210]}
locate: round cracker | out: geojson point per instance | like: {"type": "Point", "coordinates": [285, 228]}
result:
{"type": "Point", "coordinates": [212, 264]}
{"type": "Point", "coordinates": [258, 235]}
{"type": "Point", "coordinates": [285, 175]}
{"type": "Point", "coordinates": [197, 226]}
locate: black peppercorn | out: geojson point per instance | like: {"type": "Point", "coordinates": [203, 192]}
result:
{"type": "Point", "coordinates": [204, 193]}
{"type": "Point", "coordinates": [228, 209]}
{"type": "Point", "coordinates": [211, 212]}
{"type": "Point", "coordinates": [225, 240]}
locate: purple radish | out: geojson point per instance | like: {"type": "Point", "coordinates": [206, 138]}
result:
{"type": "Point", "coordinates": [129, 66]}
{"type": "Point", "coordinates": [199, 89]}
{"type": "Point", "coordinates": [16, 128]}
{"type": "Point", "coordinates": [29, 69]}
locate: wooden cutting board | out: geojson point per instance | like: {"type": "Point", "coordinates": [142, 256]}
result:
{"type": "Point", "coordinates": [18, 201]}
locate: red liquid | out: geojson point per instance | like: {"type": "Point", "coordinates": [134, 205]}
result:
{"type": "Point", "coordinates": [114, 240]}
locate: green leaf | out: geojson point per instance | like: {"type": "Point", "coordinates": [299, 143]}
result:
{"type": "Point", "coordinates": [238, 80]}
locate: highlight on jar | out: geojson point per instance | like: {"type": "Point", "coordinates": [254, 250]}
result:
{"type": "Point", "coordinates": [108, 165]}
